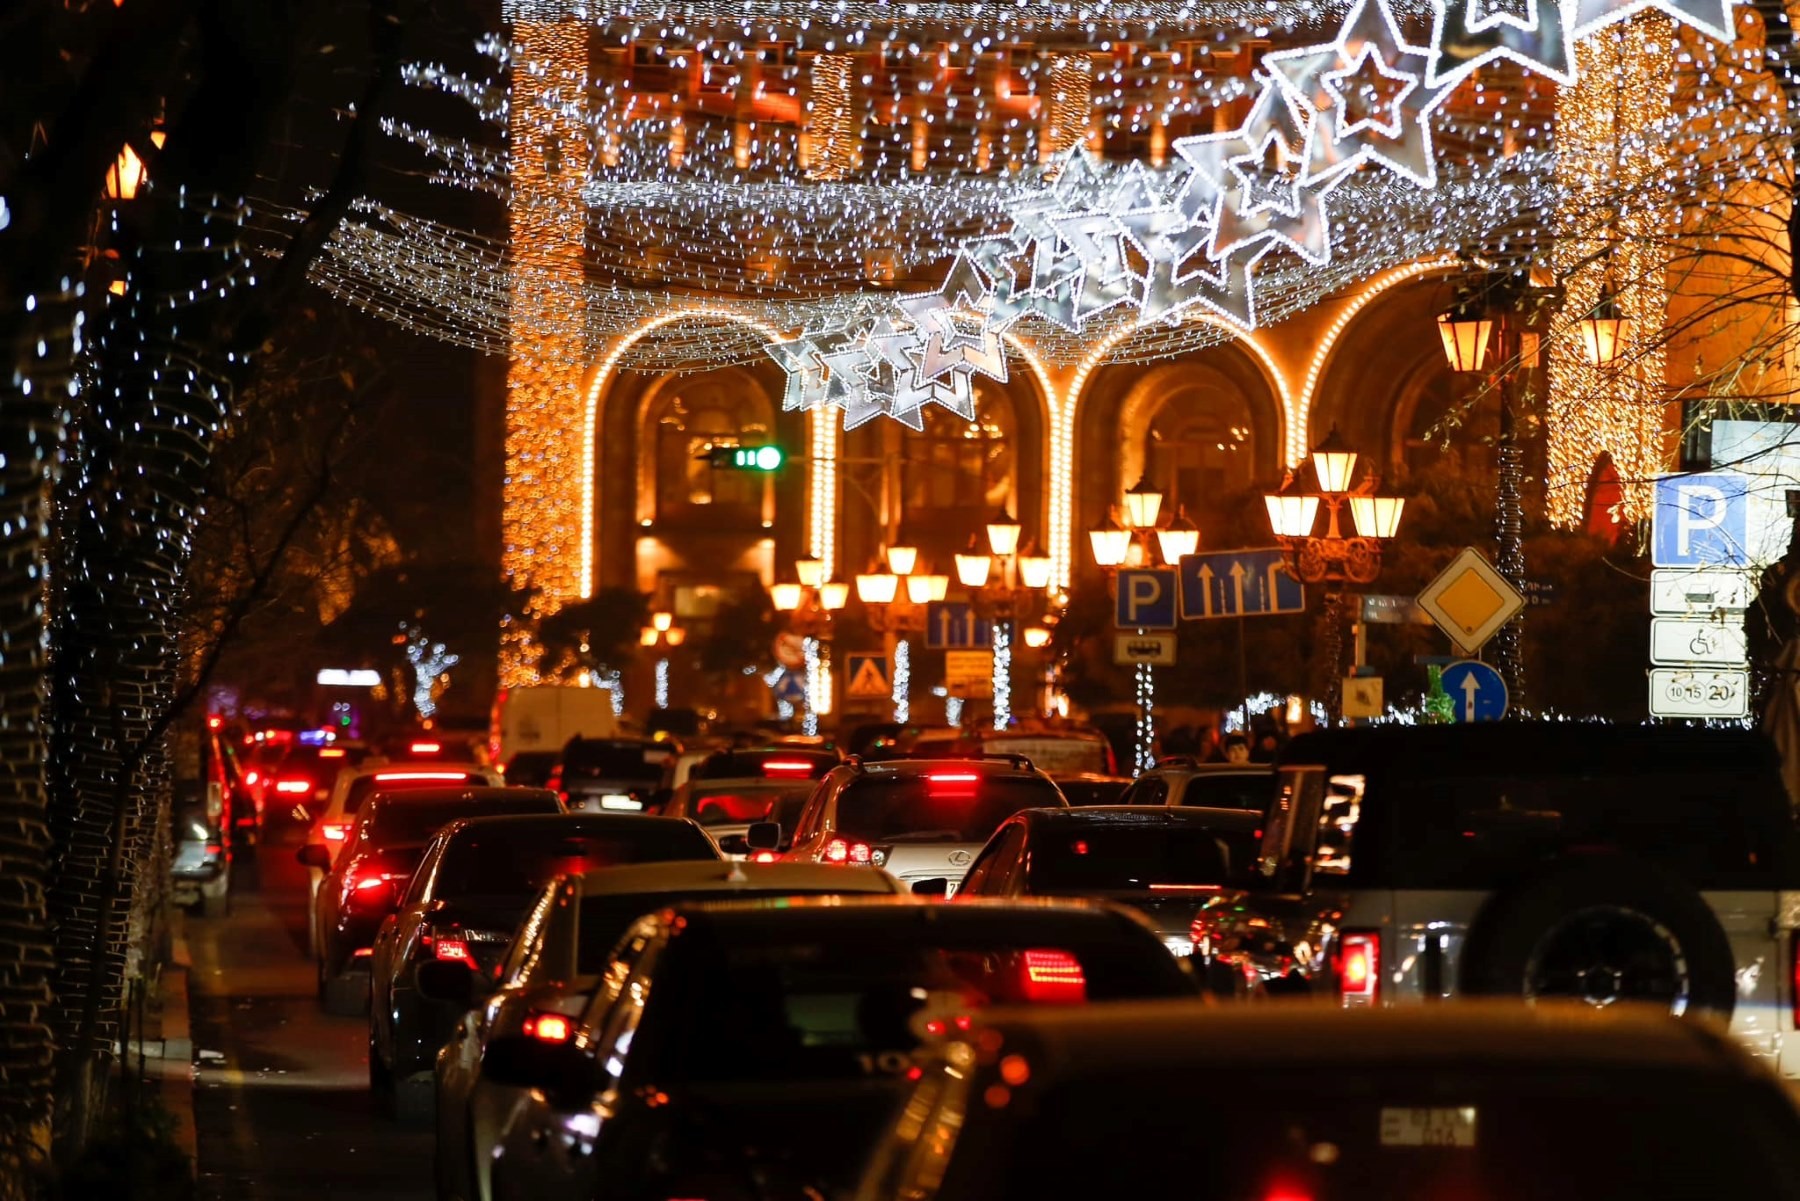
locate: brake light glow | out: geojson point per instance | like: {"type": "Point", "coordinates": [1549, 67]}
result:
{"type": "Point", "coordinates": [386, 776]}
{"type": "Point", "coordinates": [376, 881]}
{"type": "Point", "coordinates": [840, 850]}
{"type": "Point", "coordinates": [332, 752]}
{"type": "Point", "coordinates": [293, 786]}
{"type": "Point", "coordinates": [1054, 977]}
{"type": "Point", "coordinates": [763, 857]}
{"type": "Point", "coordinates": [454, 949]}
{"type": "Point", "coordinates": [1184, 888]}
{"type": "Point", "coordinates": [1794, 974]}
{"type": "Point", "coordinates": [425, 748]}
{"type": "Point", "coordinates": [954, 785]}
{"type": "Point", "coordinates": [252, 776]}
{"type": "Point", "coordinates": [786, 767]}
{"type": "Point", "coordinates": [335, 831]}
{"type": "Point", "coordinates": [1359, 968]}
{"type": "Point", "coordinates": [548, 1027]}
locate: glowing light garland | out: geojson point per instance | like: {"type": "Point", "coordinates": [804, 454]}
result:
{"type": "Point", "coordinates": [1002, 683]}
{"type": "Point", "coordinates": [902, 681]}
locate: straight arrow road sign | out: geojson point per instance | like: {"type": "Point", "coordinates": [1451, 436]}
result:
{"type": "Point", "coordinates": [1238, 583]}
{"type": "Point", "coordinates": [1477, 689]}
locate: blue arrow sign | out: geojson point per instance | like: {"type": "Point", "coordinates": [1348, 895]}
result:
{"type": "Point", "coordinates": [1477, 690]}
{"type": "Point", "coordinates": [954, 625]}
{"type": "Point", "coordinates": [1238, 583]}
{"type": "Point", "coordinates": [1146, 599]}
{"type": "Point", "coordinates": [790, 686]}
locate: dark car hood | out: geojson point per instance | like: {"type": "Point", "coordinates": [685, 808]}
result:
{"type": "Point", "coordinates": [820, 1130]}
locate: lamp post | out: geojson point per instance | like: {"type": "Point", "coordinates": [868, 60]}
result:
{"type": "Point", "coordinates": [1507, 307]}
{"type": "Point", "coordinates": [1333, 558]}
{"type": "Point", "coordinates": [895, 599]}
{"type": "Point", "coordinates": [810, 604]}
{"type": "Point", "coordinates": [1020, 574]}
{"type": "Point", "coordinates": [1112, 545]}
{"type": "Point", "coordinates": [662, 633]}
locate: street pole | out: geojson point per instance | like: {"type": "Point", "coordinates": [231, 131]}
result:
{"type": "Point", "coordinates": [1509, 511]}
{"type": "Point", "coordinates": [1333, 617]}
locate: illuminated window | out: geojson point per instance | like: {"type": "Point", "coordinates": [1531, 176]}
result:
{"type": "Point", "coordinates": [684, 424]}
{"type": "Point", "coordinates": [956, 466]}
{"type": "Point", "coordinates": [1200, 448]}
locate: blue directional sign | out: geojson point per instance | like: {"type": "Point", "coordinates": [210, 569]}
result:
{"type": "Point", "coordinates": [1477, 691]}
{"type": "Point", "coordinates": [1701, 521]}
{"type": "Point", "coordinates": [1146, 599]}
{"type": "Point", "coordinates": [1238, 583]}
{"type": "Point", "coordinates": [954, 625]}
{"type": "Point", "coordinates": [790, 686]}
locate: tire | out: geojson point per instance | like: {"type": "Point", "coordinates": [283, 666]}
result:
{"type": "Point", "coordinates": [415, 1100]}
{"type": "Point", "coordinates": [1604, 929]}
{"type": "Point", "coordinates": [215, 902]}
{"type": "Point", "coordinates": [381, 1083]}
{"type": "Point", "coordinates": [346, 995]}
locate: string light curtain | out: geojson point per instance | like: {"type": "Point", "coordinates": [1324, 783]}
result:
{"type": "Point", "coordinates": [546, 290]}
{"type": "Point", "coordinates": [1614, 224]}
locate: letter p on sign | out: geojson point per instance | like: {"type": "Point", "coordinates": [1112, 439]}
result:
{"type": "Point", "coordinates": [1146, 599]}
{"type": "Point", "coordinates": [1701, 521]}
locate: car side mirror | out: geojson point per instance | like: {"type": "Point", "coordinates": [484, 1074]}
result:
{"type": "Point", "coordinates": [735, 844]}
{"type": "Point", "coordinates": [562, 1072]}
{"type": "Point", "coordinates": [763, 836]}
{"type": "Point", "coordinates": [936, 886]}
{"type": "Point", "coordinates": [314, 855]}
{"type": "Point", "coordinates": [446, 981]}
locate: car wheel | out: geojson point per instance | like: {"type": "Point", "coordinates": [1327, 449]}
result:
{"type": "Point", "coordinates": [1603, 929]}
{"type": "Point", "coordinates": [215, 898]}
{"type": "Point", "coordinates": [415, 1100]}
{"type": "Point", "coordinates": [346, 995]}
{"type": "Point", "coordinates": [381, 1083]}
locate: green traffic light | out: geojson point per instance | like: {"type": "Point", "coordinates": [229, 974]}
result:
{"type": "Point", "coordinates": [758, 458]}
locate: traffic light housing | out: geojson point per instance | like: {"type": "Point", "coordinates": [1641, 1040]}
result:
{"type": "Point", "coordinates": [745, 458]}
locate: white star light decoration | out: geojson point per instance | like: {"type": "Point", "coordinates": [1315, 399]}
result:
{"type": "Point", "coordinates": [1191, 238]}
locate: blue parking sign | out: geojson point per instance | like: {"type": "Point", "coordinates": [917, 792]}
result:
{"type": "Point", "coordinates": [1146, 599]}
{"type": "Point", "coordinates": [1701, 521]}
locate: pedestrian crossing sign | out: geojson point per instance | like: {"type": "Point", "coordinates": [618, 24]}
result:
{"type": "Point", "coordinates": [867, 677]}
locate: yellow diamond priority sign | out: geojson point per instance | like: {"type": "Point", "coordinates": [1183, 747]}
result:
{"type": "Point", "coordinates": [1470, 600]}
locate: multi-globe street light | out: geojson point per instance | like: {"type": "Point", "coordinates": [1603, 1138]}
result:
{"type": "Point", "coordinates": [898, 612]}
{"type": "Point", "coordinates": [1020, 575]}
{"type": "Point", "coordinates": [1113, 547]}
{"type": "Point", "coordinates": [663, 634]}
{"type": "Point", "coordinates": [1333, 558]}
{"type": "Point", "coordinates": [809, 605]}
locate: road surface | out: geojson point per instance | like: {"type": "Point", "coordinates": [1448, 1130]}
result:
{"type": "Point", "coordinates": [281, 1097]}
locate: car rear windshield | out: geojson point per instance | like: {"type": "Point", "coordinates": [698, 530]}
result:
{"type": "Point", "coordinates": [1093, 792]}
{"type": "Point", "coordinates": [417, 821]}
{"type": "Point", "coordinates": [400, 780]}
{"type": "Point", "coordinates": [1139, 858]}
{"type": "Point", "coordinates": [1229, 790]}
{"type": "Point", "coordinates": [604, 919]}
{"type": "Point", "coordinates": [773, 764]}
{"type": "Point", "coordinates": [855, 1003]}
{"type": "Point", "coordinates": [949, 806]}
{"type": "Point", "coordinates": [1054, 755]}
{"type": "Point", "coordinates": [517, 862]}
{"type": "Point", "coordinates": [1405, 1133]}
{"type": "Point", "coordinates": [615, 760]}
{"type": "Point", "coordinates": [722, 805]}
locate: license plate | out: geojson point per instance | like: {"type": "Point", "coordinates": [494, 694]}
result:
{"type": "Point", "coordinates": [1428, 1127]}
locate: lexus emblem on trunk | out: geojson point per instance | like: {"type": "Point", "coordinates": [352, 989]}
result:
{"type": "Point", "coordinates": [960, 858]}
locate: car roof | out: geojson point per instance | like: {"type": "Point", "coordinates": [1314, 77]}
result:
{"type": "Point", "coordinates": [1077, 1041]}
{"type": "Point", "coordinates": [1540, 746]}
{"type": "Point", "coordinates": [401, 797]}
{"type": "Point", "coordinates": [1142, 816]}
{"type": "Point", "coordinates": [992, 765]}
{"type": "Point", "coordinates": [696, 875]}
{"type": "Point", "coordinates": [1178, 767]}
{"type": "Point", "coordinates": [595, 823]}
{"type": "Point", "coordinates": [1087, 777]}
{"type": "Point", "coordinates": [1052, 916]}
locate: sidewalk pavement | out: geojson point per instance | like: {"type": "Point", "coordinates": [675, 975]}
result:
{"type": "Point", "coordinates": [167, 1046]}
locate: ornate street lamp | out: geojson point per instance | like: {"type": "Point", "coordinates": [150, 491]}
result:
{"type": "Point", "coordinates": [662, 633]}
{"type": "Point", "coordinates": [1143, 504]}
{"type": "Point", "coordinates": [1605, 329]}
{"type": "Point", "coordinates": [1111, 542]}
{"type": "Point", "coordinates": [810, 605]}
{"type": "Point", "coordinates": [896, 618]}
{"type": "Point", "coordinates": [1333, 558]}
{"type": "Point", "coordinates": [1003, 534]}
{"type": "Point", "coordinates": [1466, 331]}
{"type": "Point", "coordinates": [1179, 539]}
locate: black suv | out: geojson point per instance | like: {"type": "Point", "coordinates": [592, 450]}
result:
{"type": "Point", "coordinates": [1595, 862]}
{"type": "Point", "coordinates": [611, 774]}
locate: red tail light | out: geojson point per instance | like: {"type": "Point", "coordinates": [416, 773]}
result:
{"type": "Point", "coordinates": [293, 786]}
{"type": "Point", "coordinates": [454, 949]}
{"type": "Point", "coordinates": [956, 785]}
{"type": "Point", "coordinates": [1054, 977]}
{"type": "Point", "coordinates": [383, 777]}
{"type": "Point", "coordinates": [335, 831]}
{"type": "Point", "coordinates": [548, 1027]}
{"type": "Point", "coordinates": [1359, 968]}
{"type": "Point", "coordinates": [1794, 975]}
{"type": "Point", "coordinates": [840, 850]}
{"type": "Point", "coordinates": [786, 767]}
{"type": "Point", "coordinates": [425, 748]}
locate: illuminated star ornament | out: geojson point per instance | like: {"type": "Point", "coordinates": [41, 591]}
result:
{"type": "Point", "coordinates": [1469, 34]}
{"type": "Point", "coordinates": [1371, 84]}
{"type": "Point", "coordinates": [1711, 17]}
